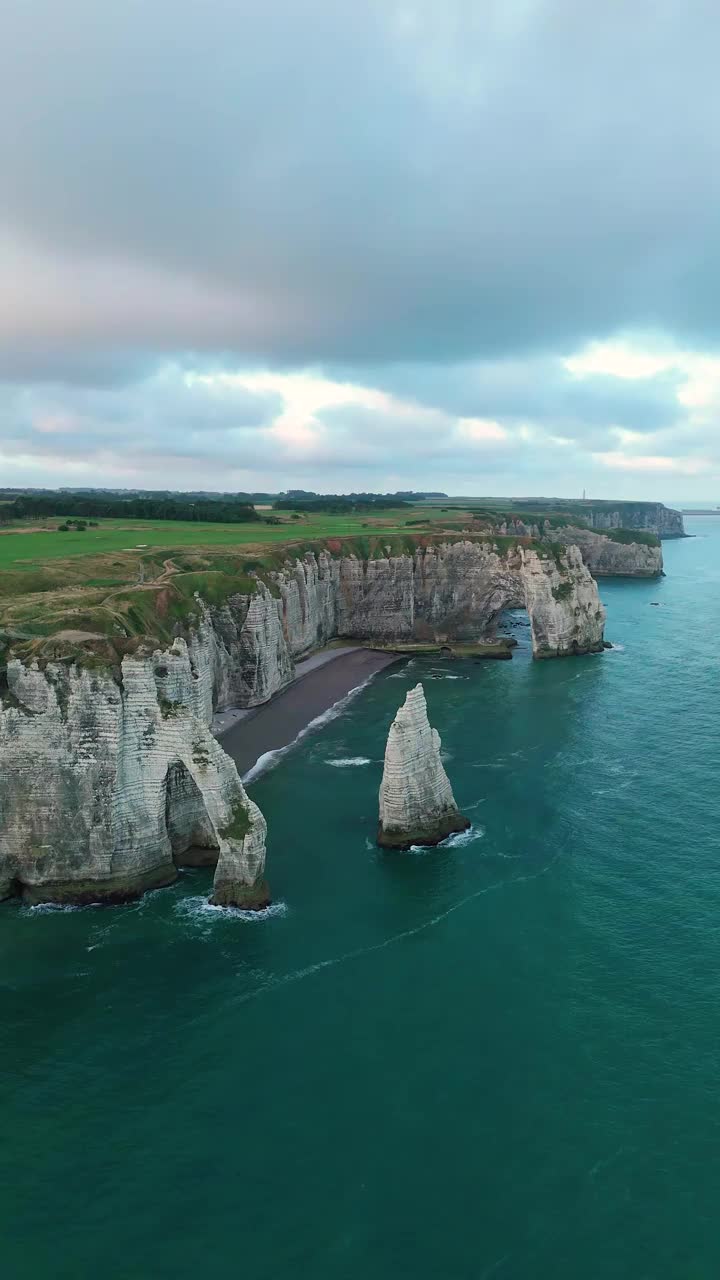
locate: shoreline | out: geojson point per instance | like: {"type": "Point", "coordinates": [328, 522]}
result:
{"type": "Point", "coordinates": [322, 681]}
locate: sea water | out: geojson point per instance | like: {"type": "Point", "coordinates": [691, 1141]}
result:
{"type": "Point", "coordinates": [499, 1058]}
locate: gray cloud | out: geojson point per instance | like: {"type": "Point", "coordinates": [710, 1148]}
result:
{"type": "Point", "coordinates": [537, 388]}
{"type": "Point", "coordinates": [161, 417]}
{"type": "Point", "coordinates": [302, 180]}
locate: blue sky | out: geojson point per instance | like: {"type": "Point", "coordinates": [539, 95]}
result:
{"type": "Point", "coordinates": [470, 246]}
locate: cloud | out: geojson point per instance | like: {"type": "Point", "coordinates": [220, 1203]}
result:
{"type": "Point", "coordinates": [566, 395]}
{"type": "Point", "coordinates": [307, 180]}
{"type": "Point", "coordinates": [655, 462]}
{"type": "Point", "coordinates": [462, 246]}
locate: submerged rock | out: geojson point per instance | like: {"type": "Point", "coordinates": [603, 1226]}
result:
{"type": "Point", "coordinates": [417, 805]}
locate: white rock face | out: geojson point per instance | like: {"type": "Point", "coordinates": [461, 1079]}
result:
{"type": "Point", "coordinates": [108, 787]}
{"type": "Point", "coordinates": [606, 558]}
{"type": "Point", "coordinates": [566, 615]}
{"type": "Point", "coordinates": [417, 805]}
{"type": "Point", "coordinates": [244, 651]}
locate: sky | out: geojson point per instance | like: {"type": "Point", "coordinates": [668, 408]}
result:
{"type": "Point", "coordinates": [469, 245]}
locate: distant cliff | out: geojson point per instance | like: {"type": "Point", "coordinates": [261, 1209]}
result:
{"type": "Point", "coordinates": [452, 591]}
{"type": "Point", "coordinates": [109, 776]}
{"type": "Point", "coordinates": [615, 554]}
{"type": "Point", "coordinates": [651, 517]}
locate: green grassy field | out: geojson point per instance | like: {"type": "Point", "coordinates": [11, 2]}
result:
{"type": "Point", "coordinates": [29, 550]}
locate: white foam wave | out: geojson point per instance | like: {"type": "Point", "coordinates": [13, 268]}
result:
{"type": "Point", "coordinates": [269, 759]}
{"type": "Point", "coordinates": [455, 841]}
{"type": "Point", "coordinates": [349, 762]}
{"type": "Point", "coordinates": [44, 908]}
{"type": "Point", "coordinates": [460, 838]}
{"type": "Point", "coordinates": [200, 909]}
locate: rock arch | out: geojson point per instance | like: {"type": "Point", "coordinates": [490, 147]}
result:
{"type": "Point", "coordinates": [193, 838]}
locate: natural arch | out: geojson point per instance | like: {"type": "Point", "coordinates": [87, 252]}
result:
{"type": "Point", "coordinates": [192, 835]}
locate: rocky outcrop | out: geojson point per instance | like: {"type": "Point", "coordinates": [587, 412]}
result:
{"type": "Point", "coordinates": [111, 781]}
{"type": "Point", "coordinates": [417, 806]}
{"type": "Point", "coordinates": [108, 786]}
{"type": "Point", "coordinates": [651, 517]}
{"type": "Point", "coordinates": [244, 651]}
{"type": "Point", "coordinates": [566, 616]}
{"type": "Point", "coordinates": [606, 557]}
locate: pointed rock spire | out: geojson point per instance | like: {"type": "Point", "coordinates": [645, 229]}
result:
{"type": "Point", "coordinates": [417, 805]}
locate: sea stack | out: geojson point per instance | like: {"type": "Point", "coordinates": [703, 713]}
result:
{"type": "Point", "coordinates": [417, 805]}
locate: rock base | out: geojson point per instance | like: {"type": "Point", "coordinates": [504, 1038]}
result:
{"type": "Point", "coordinates": [113, 890]}
{"type": "Point", "coordinates": [253, 897]}
{"type": "Point", "coordinates": [450, 825]}
{"type": "Point", "coordinates": [574, 651]}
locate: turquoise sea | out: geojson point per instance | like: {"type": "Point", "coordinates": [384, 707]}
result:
{"type": "Point", "coordinates": [496, 1059]}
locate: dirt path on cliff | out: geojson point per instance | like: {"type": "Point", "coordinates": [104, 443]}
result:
{"type": "Point", "coordinates": [277, 723]}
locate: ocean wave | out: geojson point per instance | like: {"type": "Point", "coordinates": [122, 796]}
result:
{"type": "Point", "coordinates": [269, 759]}
{"type": "Point", "coordinates": [456, 841]}
{"type": "Point", "coordinates": [349, 762]}
{"type": "Point", "coordinates": [44, 908]}
{"type": "Point", "coordinates": [443, 676]}
{"type": "Point", "coordinates": [200, 909]}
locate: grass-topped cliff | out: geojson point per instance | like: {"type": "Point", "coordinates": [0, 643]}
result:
{"type": "Point", "coordinates": [100, 592]}
{"type": "Point", "coordinates": [97, 608]}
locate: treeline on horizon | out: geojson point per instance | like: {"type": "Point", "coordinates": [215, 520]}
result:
{"type": "Point", "coordinates": [40, 506]}
{"type": "Point", "coordinates": [338, 504]}
{"type": "Point", "coordinates": [221, 508]}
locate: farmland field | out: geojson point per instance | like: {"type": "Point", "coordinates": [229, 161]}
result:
{"type": "Point", "coordinates": [29, 548]}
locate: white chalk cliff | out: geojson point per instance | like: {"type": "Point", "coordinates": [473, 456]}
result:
{"type": "Point", "coordinates": [111, 779]}
{"type": "Point", "coordinates": [417, 805]}
{"type": "Point", "coordinates": [566, 615]}
{"type": "Point", "coordinates": [107, 788]}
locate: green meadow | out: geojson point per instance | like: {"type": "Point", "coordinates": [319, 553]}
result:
{"type": "Point", "coordinates": [30, 548]}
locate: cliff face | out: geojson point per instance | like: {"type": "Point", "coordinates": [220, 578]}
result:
{"type": "Point", "coordinates": [107, 788]}
{"type": "Point", "coordinates": [454, 591]}
{"type": "Point", "coordinates": [606, 558]}
{"type": "Point", "coordinates": [652, 517]}
{"type": "Point", "coordinates": [417, 805]}
{"type": "Point", "coordinates": [563, 605]}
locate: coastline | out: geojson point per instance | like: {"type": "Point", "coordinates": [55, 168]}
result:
{"type": "Point", "coordinates": [322, 680]}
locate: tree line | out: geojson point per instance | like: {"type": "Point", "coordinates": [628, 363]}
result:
{"type": "Point", "coordinates": [336, 504]}
{"type": "Point", "coordinates": [40, 506]}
